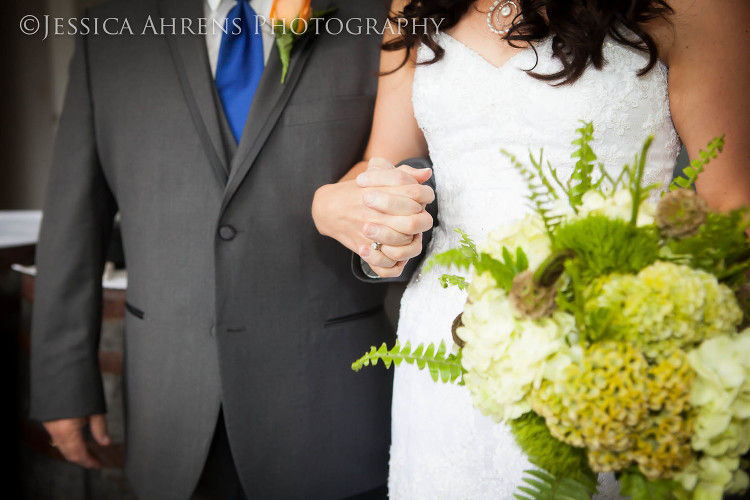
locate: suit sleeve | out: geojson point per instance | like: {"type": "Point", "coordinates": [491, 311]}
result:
{"type": "Point", "coordinates": [414, 264]}
{"type": "Point", "coordinates": [78, 215]}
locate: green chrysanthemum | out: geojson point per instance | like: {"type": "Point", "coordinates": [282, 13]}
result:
{"type": "Point", "coordinates": [548, 453]}
{"type": "Point", "coordinates": [664, 307]}
{"type": "Point", "coordinates": [606, 245]}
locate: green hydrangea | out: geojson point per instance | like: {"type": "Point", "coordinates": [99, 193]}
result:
{"type": "Point", "coordinates": [617, 206]}
{"type": "Point", "coordinates": [505, 357]}
{"type": "Point", "coordinates": [664, 307]}
{"type": "Point", "coordinates": [720, 397]}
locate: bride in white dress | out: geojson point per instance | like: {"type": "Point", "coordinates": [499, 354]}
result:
{"type": "Point", "coordinates": [461, 110]}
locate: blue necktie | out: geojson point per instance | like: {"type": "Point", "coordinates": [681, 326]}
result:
{"type": "Point", "coordinates": [240, 65]}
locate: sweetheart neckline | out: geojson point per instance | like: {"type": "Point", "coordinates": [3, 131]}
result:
{"type": "Point", "coordinates": [484, 59]}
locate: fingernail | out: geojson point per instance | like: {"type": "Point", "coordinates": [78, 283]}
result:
{"type": "Point", "coordinates": [364, 251]}
{"type": "Point", "coordinates": [362, 180]}
{"type": "Point", "coordinates": [105, 440]}
{"type": "Point", "coordinates": [370, 231]}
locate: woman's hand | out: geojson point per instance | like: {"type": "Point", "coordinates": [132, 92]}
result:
{"type": "Point", "coordinates": [376, 201]}
{"type": "Point", "coordinates": [383, 204]}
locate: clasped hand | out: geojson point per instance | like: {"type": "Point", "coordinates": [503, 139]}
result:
{"type": "Point", "coordinates": [384, 204]}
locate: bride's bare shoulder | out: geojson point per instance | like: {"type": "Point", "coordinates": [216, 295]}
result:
{"type": "Point", "coordinates": [704, 25]}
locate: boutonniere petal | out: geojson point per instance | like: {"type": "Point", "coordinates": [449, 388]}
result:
{"type": "Point", "coordinates": [291, 20]}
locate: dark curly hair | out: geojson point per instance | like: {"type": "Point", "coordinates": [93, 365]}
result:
{"type": "Point", "coordinates": [578, 27]}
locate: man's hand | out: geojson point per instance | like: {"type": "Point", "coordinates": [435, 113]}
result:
{"type": "Point", "coordinates": [384, 204]}
{"type": "Point", "coordinates": [67, 436]}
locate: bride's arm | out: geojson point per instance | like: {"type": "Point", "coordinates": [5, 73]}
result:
{"type": "Point", "coordinates": [385, 204]}
{"type": "Point", "coordinates": [709, 92]}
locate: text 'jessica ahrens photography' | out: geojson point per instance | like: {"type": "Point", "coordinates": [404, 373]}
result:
{"type": "Point", "coordinates": [113, 26]}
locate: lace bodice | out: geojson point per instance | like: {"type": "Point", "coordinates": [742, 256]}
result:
{"type": "Point", "coordinates": [470, 110]}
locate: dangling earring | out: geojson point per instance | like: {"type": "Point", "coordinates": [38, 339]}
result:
{"type": "Point", "coordinates": [501, 15]}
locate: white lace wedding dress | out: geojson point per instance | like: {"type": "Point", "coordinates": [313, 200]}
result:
{"type": "Point", "coordinates": [469, 110]}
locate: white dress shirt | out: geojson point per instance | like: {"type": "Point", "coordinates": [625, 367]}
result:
{"type": "Point", "coordinates": [217, 10]}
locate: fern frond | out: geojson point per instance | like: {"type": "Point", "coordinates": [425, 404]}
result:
{"type": "Point", "coordinates": [604, 177]}
{"type": "Point", "coordinates": [541, 485]}
{"type": "Point", "coordinates": [698, 165]}
{"type": "Point", "coordinates": [503, 271]}
{"type": "Point", "coordinates": [463, 257]}
{"type": "Point", "coordinates": [447, 280]}
{"type": "Point", "coordinates": [541, 194]}
{"type": "Point", "coordinates": [557, 180]}
{"type": "Point", "coordinates": [442, 366]}
{"type": "Point", "coordinates": [542, 176]}
{"type": "Point", "coordinates": [466, 240]}
{"type": "Point", "coordinates": [580, 180]}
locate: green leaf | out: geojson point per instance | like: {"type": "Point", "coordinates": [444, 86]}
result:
{"type": "Point", "coordinates": [285, 42]}
{"type": "Point", "coordinates": [581, 180]}
{"type": "Point", "coordinates": [442, 366]}
{"type": "Point", "coordinates": [463, 257]}
{"type": "Point", "coordinates": [721, 247]}
{"type": "Point", "coordinates": [466, 241]}
{"type": "Point", "coordinates": [637, 191]}
{"type": "Point", "coordinates": [606, 245]}
{"type": "Point", "coordinates": [541, 193]}
{"type": "Point", "coordinates": [285, 39]}
{"type": "Point", "coordinates": [553, 457]}
{"type": "Point", "coordinates": [447, 280]}
{"type": "Point", "coordinates": [635, 485]}
{"type": "Point", "coordinates": [697, 165]}
{"type": "Point", "coordinates": [503, 271]}
{"type": "Point", "coordinates": [541, 485]}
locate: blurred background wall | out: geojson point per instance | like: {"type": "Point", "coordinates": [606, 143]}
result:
{"type": "Point", "coordinates": [33, 83]}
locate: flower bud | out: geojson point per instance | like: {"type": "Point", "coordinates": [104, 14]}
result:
{"type": "Point", "coordinates": [291, 15]}
{"type": "Point", "coordinates": [531, 299]}
{"type": "Point", "coordinates": [681, 213]}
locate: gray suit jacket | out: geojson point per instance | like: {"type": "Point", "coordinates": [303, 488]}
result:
{"type": "Point", "coordinates": [234, 299]}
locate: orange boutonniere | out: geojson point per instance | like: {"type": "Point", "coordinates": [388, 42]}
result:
{"type": "Point", "coordinates": [291, 19]}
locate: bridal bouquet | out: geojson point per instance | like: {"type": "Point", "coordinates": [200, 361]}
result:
{"type": "Point", "coordinates": [608, 332]}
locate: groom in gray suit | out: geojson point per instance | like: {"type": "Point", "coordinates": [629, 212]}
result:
{"type": "Point", "coordinates": [242, 321]}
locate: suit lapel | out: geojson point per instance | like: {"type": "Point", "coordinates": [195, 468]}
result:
{"type": "Point", "coordinates": [269, 101]}
{"type": "Point", "coordinates": [191, 61]}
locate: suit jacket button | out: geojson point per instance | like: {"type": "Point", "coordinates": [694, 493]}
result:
{"type": "Point", "coordinates": [227, 233]}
